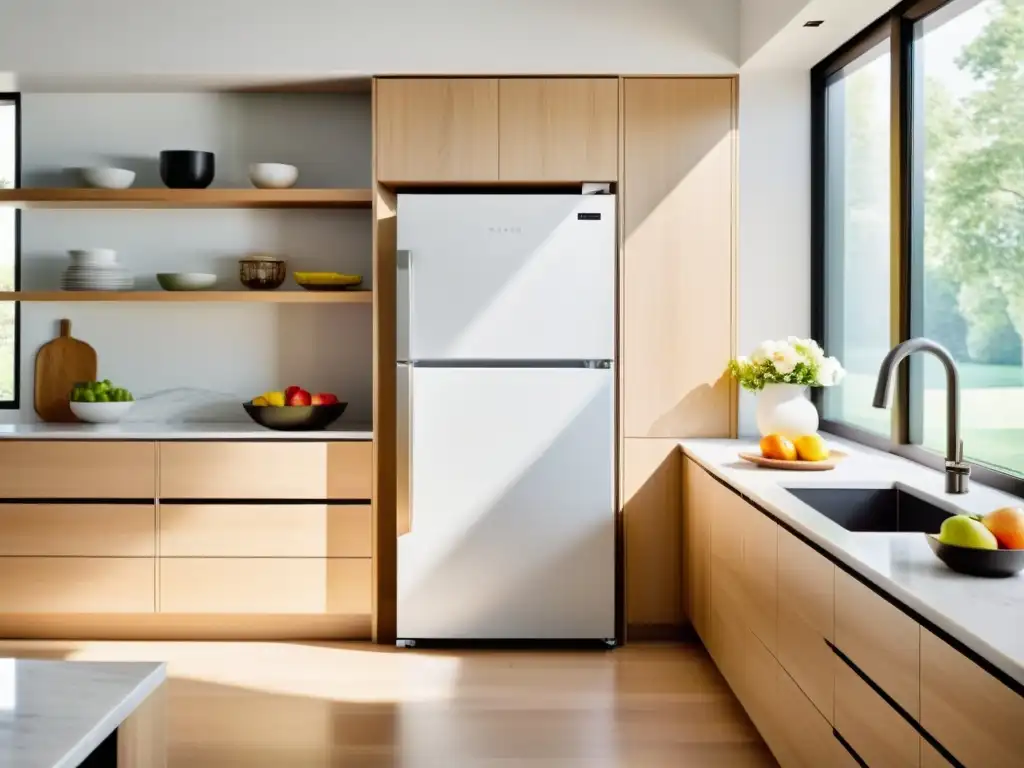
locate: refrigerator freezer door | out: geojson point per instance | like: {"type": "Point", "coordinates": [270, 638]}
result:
{"type": "Point", "coordinates": [513, 522]}
{"type": "Point", "coordinates": [508, 277]}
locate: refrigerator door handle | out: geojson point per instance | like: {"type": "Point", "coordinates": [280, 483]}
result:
{"type": "Point", "coordinates": [403, 295]}
{"type": "Point", "coordinates": [403, 445]}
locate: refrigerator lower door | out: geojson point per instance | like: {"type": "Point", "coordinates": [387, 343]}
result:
{"type": "Point", "coordinates": [510, 493]}
{"type": "Point", "coordinates": [506, 277]}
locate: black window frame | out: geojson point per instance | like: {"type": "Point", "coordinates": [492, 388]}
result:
{"type": "Point", "coordinates": [15, 403]}
{"type": "Point", "coordinates": [906, 260]}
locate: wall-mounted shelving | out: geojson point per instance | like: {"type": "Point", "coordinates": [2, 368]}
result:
{"type": "Point", "coordinates": [249, 297]}
{"type": "Point", "coordinates": [185, 198]}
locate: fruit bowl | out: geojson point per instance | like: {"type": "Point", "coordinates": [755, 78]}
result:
{"type": "Point", "coordinates": [295, 418]}
{"type": "Point", "coordinates": [100, 413]}
{"type": "Point", "coordinates": [989, 563]}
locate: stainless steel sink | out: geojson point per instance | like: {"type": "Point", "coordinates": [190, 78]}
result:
{"type": "Point", "coordinates": [874, 510]}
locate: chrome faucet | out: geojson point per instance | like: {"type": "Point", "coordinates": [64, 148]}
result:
{"type": "Point", "coordinates": [957, 472]}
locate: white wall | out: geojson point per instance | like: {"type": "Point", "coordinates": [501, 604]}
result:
{"type": "Point", "coordinates": [775, 200]}
{"type": "Point", "coordinates": [212, 355]}
{"type": "Point", "coordinates": [320, 37]}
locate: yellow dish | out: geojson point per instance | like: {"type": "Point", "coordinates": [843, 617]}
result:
{"type": "Point", "coordinates": [326, 281]}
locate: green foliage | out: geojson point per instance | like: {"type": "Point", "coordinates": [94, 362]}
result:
{"type": "Point", "coordinates": [975, 178]}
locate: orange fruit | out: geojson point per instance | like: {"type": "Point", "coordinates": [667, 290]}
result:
{"type": "Point", "coordinates": [777, 447]}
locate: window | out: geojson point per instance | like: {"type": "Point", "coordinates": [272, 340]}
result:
{"type": "Point", "coordinates": [9, 223]}
{"type": "Point", "coordinates": [919, 227]}
{"type": "Point", "coordinates": [857, 232]}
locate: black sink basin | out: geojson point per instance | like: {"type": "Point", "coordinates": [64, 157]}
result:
{"type": "Point", "coordinates": [874, 510]}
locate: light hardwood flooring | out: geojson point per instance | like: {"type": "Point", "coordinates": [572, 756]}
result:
{"type": "Point", "coordinates": [295, 704]}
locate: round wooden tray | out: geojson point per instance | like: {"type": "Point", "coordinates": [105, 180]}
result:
{"type": "Point", "coordinates": [795, 466]}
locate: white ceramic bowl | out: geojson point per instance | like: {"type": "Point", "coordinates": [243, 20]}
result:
{"type": "Point", "coordinates": [273, 175]}
{"type": "Point", "coordinates": [93, 257]}
{"type": "Point", "coordinates": [108, 178]}
{"type": "Point", "coordinates": [186, 281]}
{"type": "Point", "coordinates": [101, 413]}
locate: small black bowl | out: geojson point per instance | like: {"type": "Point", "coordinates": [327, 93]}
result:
{"type": "Point", "coordinates": [989, 563]}
{"type": "Point", "coordinates": [186, 168]}
{"type": "Point", "coordinates": [295, 418]}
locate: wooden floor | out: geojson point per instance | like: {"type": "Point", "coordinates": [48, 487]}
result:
{"type": "Point", "coordinates": [294, 704]}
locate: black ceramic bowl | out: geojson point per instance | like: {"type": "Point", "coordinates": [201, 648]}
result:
{"type": "Point", "coordinates": [186, 168]}
{"type": "Point", "coordinates": [989, 563]}
{"type": "Point", "coordinates": [295, 418]}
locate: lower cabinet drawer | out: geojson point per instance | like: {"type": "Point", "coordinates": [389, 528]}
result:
{"type": "Point", "coordinates": [977, 718]}
{"type": "Point", "coordinates": [265, 585]}
{"type": "Point", "coordinates": [803, 737]}
{"type": "Point", "coordinates": [880, 639]}
{"type": "Point", "coordinates": [877, 733]}
{"type": "Point", "coordinates": [212, 470]}
{"type": "Point", "coordinates": [77, 584]}
{"type": "Point", "coordinates": [77, 530]}
{"type": "Point", "coordinates": [265, 530]}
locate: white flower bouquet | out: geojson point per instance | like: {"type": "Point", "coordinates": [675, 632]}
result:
{"type": "Point", "coordinates": [793, 361]}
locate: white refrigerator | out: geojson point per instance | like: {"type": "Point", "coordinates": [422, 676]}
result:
{"type": "Point", "coordinates": [506, 412]}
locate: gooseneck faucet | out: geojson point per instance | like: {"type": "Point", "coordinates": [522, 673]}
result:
{"type": "Point", "coordinates": [957, 472]}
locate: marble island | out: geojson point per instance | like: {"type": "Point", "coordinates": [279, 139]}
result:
{"type": "Point", "coordinates": [985, 615]}
{"type": "Point", "coordinates": [56, 714]}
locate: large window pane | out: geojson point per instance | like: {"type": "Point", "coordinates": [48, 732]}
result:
{"type": "Point", "coordinates": [857, 328]}
{"type": "Point", "coordinates": [969, 223]}
{"type": "Point", "coordinates": [8, 174]}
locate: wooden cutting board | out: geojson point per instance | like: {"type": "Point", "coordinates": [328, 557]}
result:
{"type": "Point", "coordinates": [60, 364]}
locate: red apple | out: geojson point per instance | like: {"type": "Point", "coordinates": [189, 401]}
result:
{"type": "Point", "coordinates": [316, 400]}
{"type": "Point", "coordinates": [289, 391]}
{"type": "Point", "coordinates": [298, 397]}
{"type": "Point", "coordinates": [326, 398]}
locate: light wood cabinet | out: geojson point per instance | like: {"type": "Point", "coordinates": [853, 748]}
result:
{"type": "Point", "coordinates": [727, 599]}
{"type": "Point", "coordinates": [760, 686]}
{"type": "Point", "coordinates": [932, 758]}
{"type": "Point", "coordinates": [558, 129]}
{"type": "Point", "coordinates": [264, 585]}
{"type": "Point", "coordinates": [760, 570]}
{"type": "Point", "coordinates": [209, 470]}
{"type": "Point", "coordinates": [976, 717]}
{"type": "Point", "coordinates": [437, 129]}
{"type": "Point", "coordinates": [806, 600]}
{"type": "Point", "coordinates": [95, 469]}
{"type": "Point", "coordinates": [77, 584]}
{"type": "Point", "coordinates": [804, 736]}
{"type": "Point", "coordinates": [350, 470]}
{"type": "Point", "coordinates": [265, 530]}
{"type": "Point", "coordinates": [698, 491]}
{"type": "Point", "coordinates": [678, 265]}
{"type": "Point", "coordinates": [77, 530]}
{"type": "Point", "coordinates": [653, 536]}
{"type": "Point", "coordinates": [877, 733]}
{"type": "Point", "coordinates": [880, 639]}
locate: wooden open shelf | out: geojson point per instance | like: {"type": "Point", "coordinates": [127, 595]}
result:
{"type": "Point", "coordinates": [186, 198]}
{"type": "Point", "coordinates": [257, 297]}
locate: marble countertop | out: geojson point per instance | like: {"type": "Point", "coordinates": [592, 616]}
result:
{"type": "Point", "coordinates": [986, 615]}
{"type": "Point", "coordinates": [175, 431]}
{"type": "Point", "coordinates": [53, 714]}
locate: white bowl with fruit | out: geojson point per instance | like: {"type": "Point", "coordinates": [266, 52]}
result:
{"type": "Point", "coordinates": [100, 402]}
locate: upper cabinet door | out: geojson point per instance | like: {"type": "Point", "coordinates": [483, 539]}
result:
{"type": "Point", "coordinates": [559, 129]}
{"type": "Point", "coordinates": [678, 290]}
{"type": "Point", "coordinates": [437, 130]}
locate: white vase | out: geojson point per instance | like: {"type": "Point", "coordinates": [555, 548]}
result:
{"type": "Point", "coordinates": [783, 409]}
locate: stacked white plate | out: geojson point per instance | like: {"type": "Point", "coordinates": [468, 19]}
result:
{"type": "Point", "coordinates": [95, 269]}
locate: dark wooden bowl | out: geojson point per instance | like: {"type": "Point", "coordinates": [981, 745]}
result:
{"type": "Point", "coordinates": [988, 563]}
{"type": "Point", "coordinates": [295, 418]}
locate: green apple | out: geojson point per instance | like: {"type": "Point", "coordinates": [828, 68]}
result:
{"type": "Point", "coordinates": [967, 531]}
